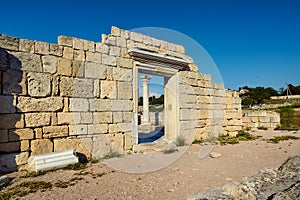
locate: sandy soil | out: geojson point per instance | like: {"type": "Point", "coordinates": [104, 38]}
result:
{"type": "Point", "coordinates": [187, 175]}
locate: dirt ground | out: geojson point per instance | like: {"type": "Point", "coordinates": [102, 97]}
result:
{"type": "Point", "coordinates": [186, 176]}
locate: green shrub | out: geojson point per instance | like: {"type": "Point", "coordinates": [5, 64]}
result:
{"type": "Point", "coordinates": [112, 154]}
{"type": "Point", "coordinates": [180, 141]}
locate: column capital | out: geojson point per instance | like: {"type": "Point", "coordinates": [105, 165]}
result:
{"type": "Point", "coordinates": [145, 79]}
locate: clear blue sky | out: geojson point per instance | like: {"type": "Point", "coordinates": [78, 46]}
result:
{"type": "Point", "coordinates": [254, 43]}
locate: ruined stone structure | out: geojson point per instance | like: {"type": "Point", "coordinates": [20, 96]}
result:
{"type": "Point", "coordinates": [82, 94]}
{"type": "Point", "coordinates": [260, 119]}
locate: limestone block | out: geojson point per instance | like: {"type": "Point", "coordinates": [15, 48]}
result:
{"type": "Point", "coordinates": [37, 119]}
{"type": "Point", "coordinates": [125, 34]}
{"type": "Point", "coordinates": [115, 51]}
{"type": "Point", "coordinates": [101, 147]}
{"type": "Point", "coordinates": [203, 99]}
{"type": "Point", "coordinates": [127, 141]}
{"type": "Point", "coordinates": [9, 121]}
{"type": "Point", "coordinates": [38, 133]}
{"type": "Point", "coordinates": [108, 89]}
{"type": "Point", "coordinates": [56, 50]}
{"type": "Point", "coordinates": [50, 104]}
{"type": "Point", "coordinates": [125, 90]}
{"type": "Point", "coordinates": [102, 48]}
{"type": "Point", "coordinates": [76, 87]}
{"type": "Point", "coordinates": [121, 74]}
{"type": "Point", "coordinates": [117, 117]}
{"type": "Point", "coordinates": [94, 70]}
{"type": "Point", "coordinates": [65, 41]}
{"type": "Point", "coordinates": [39, 84]}
{"type": "Point", "coordinates": [20, 134]}
{"type": "Point", "coordinates": [108, 60]}
{"type": "Point", "coordinates": [127, 116]}
{"type": "Point", "coordinates": [110, 41]}
{"type": "Point", "coordinates": [79, 55]}
{"type": "Point", "coordinates": [3, 136]}
{"type": "Point", "coordinates": [121, 105]}
{"type": "Point", "coordinates": [49, 64]}
{"type": "Point", "coordinates": [189, 114]}
{"type": "Point", "coordinates": [77, 43]}
{"type": "Point", "coordinates": [97, 129]}
{"type": "Point", "coordinates": [26, 45]}
{"type": "Point", "coordinates": [68, 118]}
{"type": "Point", "coordinates": [137, 37]}
{"type": "Point", "coordinates": [125, 127]}
{"type": "Point", "coordinates": [121, 42]}
{"type": "Point", "coordinates": [4, 64]}
{"type": "Point", "coordinates": [8, 104]}
{"type": "Point", "coordinates": [116, 141]}
{"type": "Point", "coordinates": [25, 62]}
{"type": "Point", "coordinates": [10, 147]}
{"type": "Point", "coordinates": [113, 128]}
{"type": "Point", "coordinates": [68, 53]}
{"type": "Point", "coordinates": [41, 48]}
{"type": "Point", "coordinates": [55, 131]}
{"type": "Point", "coordinates": [81, 145]}
{"type": "Point", "coordinates": [188, 125]}
{"type": "Point", "coordinates": [78, 69]}
{"type": "Point", "coordinates": [97, 88]}
{"type": "Point", "coordinates": [24, 145]}
{"type": "Point", "coordinates": [78, 129]}
{"type": "Point", "coordinates": [86, 118]}
{"type": "Point", "coordinates": [264, 119]}
{"type": "Point", "coordinates": [93, 57]}
{"type": "Point", "coordinates": [78, 104]}
{"type": "Point", "coordinates": [88, 45]}
{"type": "Point", "coordinates": [124, 63]}
{"type": "Point", "coordinates": [7, 42]}
{"type": "Point", "coordinates": [102, 117]}
{"type": "Point", "coordinates": [41, 146]}
{"type": "Point", "coordinates": [187, 98]}
{"type": "Point", "coordinates": [115, 31]}
{"type": "Point", "coordinates": [64, 67]}
{"type": "Point", "coordinates": [100, 105]}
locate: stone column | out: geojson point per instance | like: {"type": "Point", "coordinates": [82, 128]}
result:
{"type": "Point", "coordinates": [145, 81]}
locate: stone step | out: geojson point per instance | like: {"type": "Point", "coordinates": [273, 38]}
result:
{"type": "Point", "coordinates": [160, 145]}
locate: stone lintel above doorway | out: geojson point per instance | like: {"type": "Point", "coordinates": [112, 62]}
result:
{"type": "Point", "coordinates": [154, 58]}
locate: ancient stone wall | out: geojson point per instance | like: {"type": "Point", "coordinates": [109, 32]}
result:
{"type": "Point", "coordinates": [260, 119]}
{"type": "Point", "coordinates": [79, 94]}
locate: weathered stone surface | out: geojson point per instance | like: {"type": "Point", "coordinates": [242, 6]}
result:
{"type": "Point", "coordinates": [125, 127]}
{"type": "Point", "coordinates": [124, 62]}
{"type": "Point", "coordinates": [41, 146]}
{"type": "Point", "coordinates": [102, 117]}
{"type": "Point", "coordinates": [78, 129]}
{"type": "Point", "coordinates": [3, 136]}
{"type": "Point", "coordinates": [94, 70]}
{"type": "Point", "coordinates": [56, 50]}
{"type": "Point", "coordinates": [121, 74]}
{"type": "Point", "coordinates": [20, 134]}
{"type": "Point", "coordinates": [39, 84]}
{"type": "Point", "coordinates": [24, 145]}
{"type": "Point", "coordinates": [41, 48]}
{"type": "Point", "coordinates": [64, 67]}
{"type": "Point", "coordinates": [115, 51]}
{"type": "Point", "coordinates": [7, 104]}
{"type": "Point", "coordinates": [37, 119]}
{"type": "Point", "coordinates": [7, 42]}
{"type": "Point", "coordinates": [121, 105]}
{"type": "Point", "coordinates": [116, 141]}
{"type": "Point", "coordinates": [77, 43]}
{"type": "Point", "coordinates": [4, 64]}
{"type": "Point", "coordinates": [88, 45]}
{"type": "Point", "coordinates": [100, 105]}
{"type": "Point", "coordinates": [115, 31]}
{"type": "Point", "coordinates": [78, 69]}
{"type": "Point", "coordinates": [102, 48]}
{"type": "Point", "coordinates": [121, 42]}
{"type": "Point", "coordinates": [10, 147]}
{"type": "Point", "coordinates": [10, 162]}
{"type": "Point", "coordinates": [114, 128]}
{"type": "Point", "coordinates": [108, 60]}
{"type": "Point", "coordinates": [49, 64]}
{"type": "Point", "coordinates": [78, 104]}
{"type": "Point", "coordinates": [55, 131]}
{"type": "Point", "coordinates": [93, 57]}
{"type": "Point", "coordinates": [108, 89]}
{"type": "Point", "coordinates": [127, 116]}
{"type": "Point", "coordinates": [97, 129]}
{"type": "Point", "coordinates": [68, 52]}
{"type": "Point", "coordinates": [14, 82]}
{"type": "Point", "coordinates": [81, 145]}
{"type": "Point", "coordinates": [68, 118]}
{"type": "Point", "coordinates": [128, 141]}
{"type": "Point", "coordinates": [214, 155]}
{"type": "Point", "coordinates": [97, 88]}
{"type": "Point", "coordinates": [79, 55]}
{"type": "Point", "coordinates": [51, 104]}
{"type": "Point", "coordinates": [9, 121]}
{"type": "Point", "coordinates": [101, 147]}
{"type": "Point", "coordinates": [86, 118]}
{"type": "Point", "coordinates": [117, 117]}
{"type": "Point", "coordinates": [76, 87]}
{"type": "Point", "coordinates": [38, 133]}
{"type": "Point", "coordinates": [25, 61]}
{"type": "Point", "coordinates": [125, 90]}
{"type": "Point", "coordinates": [65, 41]}
{"type": "Point", "coordinates": [137, 37]}
{"type": "Point", "coordinates": [26, 45]}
